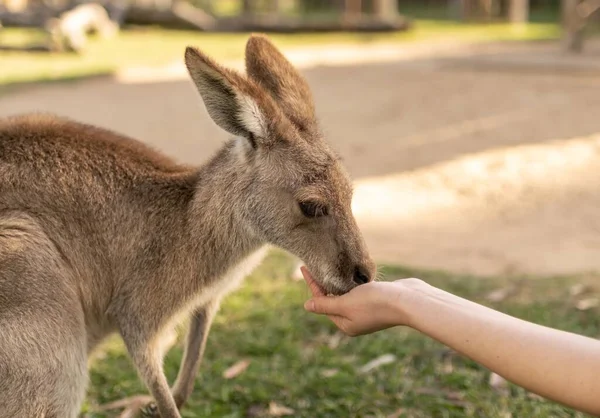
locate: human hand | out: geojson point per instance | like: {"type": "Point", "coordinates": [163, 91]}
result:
{"type": "Point", "coordinates": [365, 309]}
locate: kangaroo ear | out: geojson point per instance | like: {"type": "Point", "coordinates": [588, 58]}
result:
{"type": "Point", "coordinates": [235, 104]}
{"type": "Point", "coordinates": [267, 65]}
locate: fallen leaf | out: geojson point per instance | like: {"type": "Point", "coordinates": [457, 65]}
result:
{"type": "Point", "coordinates": [448, 362]}
{"type": "Point", "coordinates": [276, 410]}
{"type": "Point", "coordinates": [448, 367]}
{"type": "Point", "coordinates": [379, 361]}
{"type": "Point", "coordinates": [585, 304]}
{"type": "Point", "coordinates": [577, 289]}
{"type": "Point", "coordinates": [329, 372]}
{"type": "Point", "coordinates": [132, 403]}
{"type": "Point", "coordinates": [334, 341]}
{"type": "Point", "coordinates": [456, 398]}
{"type": "Point", "coordinates": [237, 369]}
{"type": "Point", "coordinates": [500, 294]}
{"type": "Point", "coordinates": [498, 383]}
{"type": "Point", "coordinates": [535, 396]}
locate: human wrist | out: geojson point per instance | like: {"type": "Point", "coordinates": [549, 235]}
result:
{"type": "Point", "coordinates": [408, 299]}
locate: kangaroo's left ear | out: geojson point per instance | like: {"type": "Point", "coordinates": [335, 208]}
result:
{"type": "Point", "coordinates": [234, 103]}
{"type": "Point", "coordinates": [267, 65]}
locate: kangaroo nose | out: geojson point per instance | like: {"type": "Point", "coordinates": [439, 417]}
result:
{"type": "Point", "coordinates": [361, 275]}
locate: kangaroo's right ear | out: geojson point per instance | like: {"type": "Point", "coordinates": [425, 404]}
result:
{"type": "Point", "coordinates": [234, 103]}
{"type": "Point", "coordinates": [266, 64]}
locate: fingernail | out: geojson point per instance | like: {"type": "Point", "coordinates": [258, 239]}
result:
{"type": "Point", "coordinates": [309, 305]}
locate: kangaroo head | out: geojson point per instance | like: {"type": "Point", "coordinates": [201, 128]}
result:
{"type": "Point", "coordinates": [297, 195]}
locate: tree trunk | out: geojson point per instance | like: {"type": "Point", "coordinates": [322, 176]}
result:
{"type": "Point", "coordinates": [117, 10]}
{"type": "Point", "coordinates": [385, 9]}
{"type": "Point", "coordinates": [518, 11]}
{"type": "Point", "coordinates": [463, 9]}
{"type": "Point", "coordinates": [573, 25]}
{"type": "Point", "coordinates": [352, 9]}
{"type": "Point", "coordinates": [248, 7]}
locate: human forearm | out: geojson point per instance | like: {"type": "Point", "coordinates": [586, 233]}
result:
{"type": "Point", "coordinates": [555, 364]}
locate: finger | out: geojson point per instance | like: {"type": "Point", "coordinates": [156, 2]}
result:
{"type": "Point", "coordinates": [324, 305]}
{"type": "Point", "coordinates": [313, 286]}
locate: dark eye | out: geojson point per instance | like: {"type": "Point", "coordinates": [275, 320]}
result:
{"type": "Point", "coordinates": [313, 209]}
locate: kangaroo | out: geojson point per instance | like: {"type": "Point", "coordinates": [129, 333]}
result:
{"type": "Point", "coordinates": [100, 234]}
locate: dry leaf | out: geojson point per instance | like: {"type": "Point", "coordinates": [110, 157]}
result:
{"type": "Point", "coordinates": [237, 369]}
{"type": "Point", "coordinates": [448, 367]}
{"type": "Point", "coordinates": [456, 398]}
{"type": "Point", "coordinates": [379, 361]}
{"type": "Point", "coordinates": [329, 372]}
{"type": "Point", "coordinates": [334, 341]}
{"type": "Point", "coordinates": [276, 410]}
{"type": "Point", "coordinates": [535, 396]}
{"type": "Point", "coordinates": [500, 294]}
{"type": "Point", "coordinates": [447, 362]}
{"type": "Point", "coordinates": [498, 382]}
{"type": "Point", "coordinates": [577, 289]}
{"type": "Point", "coordinates": [585, 304]}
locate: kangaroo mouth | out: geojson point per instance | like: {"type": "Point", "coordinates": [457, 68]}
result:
{"type": "Point", "coordinates": [328, 286]}
{"type": "Point", "coordinates": [329, 289]}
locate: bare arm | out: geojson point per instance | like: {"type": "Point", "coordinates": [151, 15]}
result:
{"type": "Point", "coordinates": [558, 365]}
{"type": "Point", "coordinates": [555, 364]}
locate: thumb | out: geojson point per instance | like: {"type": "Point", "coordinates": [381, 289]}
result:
{"type": "Point", "coordinates": [326, 305]}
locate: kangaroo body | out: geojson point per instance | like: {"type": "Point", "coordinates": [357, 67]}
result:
{"type": "Point", "coordinates": [101, 234]}
{"type": "Point", "coordinates": [111, 245]}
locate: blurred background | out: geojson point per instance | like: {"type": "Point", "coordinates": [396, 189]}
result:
{"type": "Point", "coordinates": [471, 129]}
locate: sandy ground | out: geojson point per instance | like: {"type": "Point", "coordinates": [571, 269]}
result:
{"type": "Point", "coordinates": [482, 160]}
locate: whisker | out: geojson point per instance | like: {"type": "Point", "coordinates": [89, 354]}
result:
{"type": "Point", "coordinates": [379, 275]}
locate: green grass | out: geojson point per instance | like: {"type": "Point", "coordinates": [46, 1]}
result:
{"type": "Point", "coordinates": [291, 356]}
{"type": "Point", "coordinates": [155, 47]}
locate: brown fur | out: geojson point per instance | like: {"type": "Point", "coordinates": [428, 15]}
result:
{"type": "Point", "coordinates": [101, 234]}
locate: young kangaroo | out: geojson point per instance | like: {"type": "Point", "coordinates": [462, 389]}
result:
{"type": "Point", "coordinates": [100, 234]}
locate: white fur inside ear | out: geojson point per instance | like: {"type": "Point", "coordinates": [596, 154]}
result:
{"type": "Point", "coordinates": [251, 116]}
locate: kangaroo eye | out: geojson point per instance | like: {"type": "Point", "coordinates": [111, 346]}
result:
{"type": "Point", "coordinates": [313, 209]}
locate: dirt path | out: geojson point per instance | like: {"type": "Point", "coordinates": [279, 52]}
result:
{"type": "Point", "coordinates": [474, 161]}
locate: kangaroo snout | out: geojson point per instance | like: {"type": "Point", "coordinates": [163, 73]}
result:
{"type": "Point", "coordinates": [362, 275]}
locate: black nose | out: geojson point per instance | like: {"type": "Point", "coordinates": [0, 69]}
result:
{"type": "Point", "coordinates": [361, 276]}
